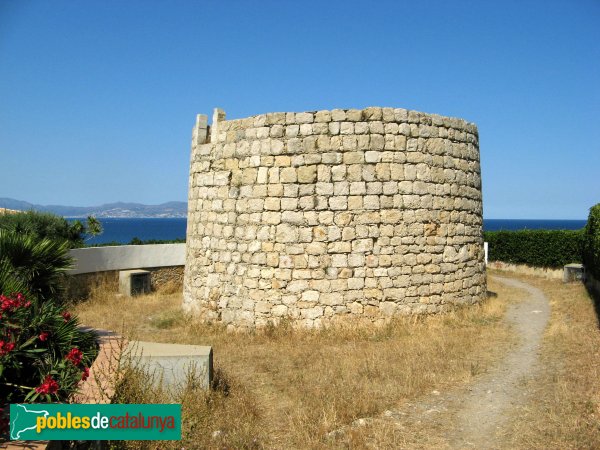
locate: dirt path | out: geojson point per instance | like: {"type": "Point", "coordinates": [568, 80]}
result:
{"type": "Point", "coordinates": [473, 417]}
{"type": "Point", "coordinates": [490, 398]}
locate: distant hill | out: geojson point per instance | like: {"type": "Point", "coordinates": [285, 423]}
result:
{"type": "Point", "coordinates": [119, 209]}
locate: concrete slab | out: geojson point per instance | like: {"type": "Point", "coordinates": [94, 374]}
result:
{"type": "Point", "coordinates": [175, 361]}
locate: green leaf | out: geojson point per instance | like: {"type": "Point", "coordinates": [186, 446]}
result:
{"type": "Point", "coordinates": [27, 343]}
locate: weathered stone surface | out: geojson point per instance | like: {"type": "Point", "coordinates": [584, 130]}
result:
{"type": "Point", "coordinates": [316, 216]}
{"type": "Point", "coordinates": [307, 174]}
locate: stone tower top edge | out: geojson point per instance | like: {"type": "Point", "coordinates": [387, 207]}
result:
{"type": "Point", "coordinates": [372, 113]}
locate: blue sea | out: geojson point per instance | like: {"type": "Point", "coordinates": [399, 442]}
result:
{"type": "Point", "coordinates": [533, 224]}
{"type": "Point", "coordinates": [124, 230]}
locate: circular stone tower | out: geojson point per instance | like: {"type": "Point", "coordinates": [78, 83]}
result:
{"type": "Point", "coordinates": [319, 216]}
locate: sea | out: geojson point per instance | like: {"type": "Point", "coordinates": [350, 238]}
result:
{"type": "Point", "coordinates": [122, 231]}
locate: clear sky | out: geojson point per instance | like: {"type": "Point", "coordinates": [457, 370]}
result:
{"type": "Point", "coordinates": [98, 98]}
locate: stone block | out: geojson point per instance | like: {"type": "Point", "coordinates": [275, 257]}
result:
{"type": "Point", "coordinates": [372, 156]}
{"type": "Point", "coordinates": [307, 174]}
{"type": "Point", "coordinates": [338, 203]}
{"type": "Point", "coordinates": [288, 175]}
{"type": "Point", "coordinates": [304, 117]}
{"type": "Point", "coordinates": [286, 233]}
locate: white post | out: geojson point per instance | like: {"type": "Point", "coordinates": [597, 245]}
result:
{"type": "Point", "coordinates": [485, 250]}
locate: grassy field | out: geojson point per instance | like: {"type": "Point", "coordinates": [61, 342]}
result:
{"type": "Point", "coordinates": [285, 388]}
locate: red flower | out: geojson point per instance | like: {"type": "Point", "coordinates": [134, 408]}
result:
{"type": "Point", "coordinates": [10, 304]}
{"type": "Point", "coordinates": [74, 356]}
{"type": "Point", "coordinates": [7, 303]}
{"type": "Point", "coordinates": [6, 347]}
{"type": "Point", "coordinates": [49, 386]}
{"type": "Point", "coordinates": [85, 374]}
{"type": "Point", "coordinates": [44, 336]}
{"type": "Point", "coordinates": [67, 316]}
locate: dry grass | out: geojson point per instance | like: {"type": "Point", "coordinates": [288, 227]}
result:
{"type": "Point", "coordinates": [564, 411]}
{"type": "Point", "coordinates": [288, 388]}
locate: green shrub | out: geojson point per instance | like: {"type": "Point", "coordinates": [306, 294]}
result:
{"type": "Point", "coordinates": [591, 247]}
{"type": "Point", "coordinates": [47, 225]}
{"type": "Point", "coordinates": [538, 248]}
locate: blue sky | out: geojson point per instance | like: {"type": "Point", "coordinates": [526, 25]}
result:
{"type": "Point", "coordinates": [98, 98]}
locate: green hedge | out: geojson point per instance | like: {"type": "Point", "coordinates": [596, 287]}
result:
{"type": "Point", "coordinates": [538, 248]}
{"type": "Point", "coordinates": [591, 246]}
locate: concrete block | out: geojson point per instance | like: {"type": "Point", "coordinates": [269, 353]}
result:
{"type": "Point", "coordinates": [134, 282]}
{"type": "Point", "coordinates": [174, 362]}
{"type": "Point", "coordinates": [573, 272]}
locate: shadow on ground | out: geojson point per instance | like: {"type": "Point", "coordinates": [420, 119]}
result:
{"type": "Point", "coordinates": [593, 288]}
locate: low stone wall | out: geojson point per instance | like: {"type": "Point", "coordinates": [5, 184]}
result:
{"type": "Point", "coordinates": [80, 286]}
{"type": "Point", "coordinates": [555, 274]}
{"type": "Point", "coordinates": [162, 277]}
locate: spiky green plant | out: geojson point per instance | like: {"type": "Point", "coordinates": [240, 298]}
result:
{"type": "Point", "coordinates": [32, 266]}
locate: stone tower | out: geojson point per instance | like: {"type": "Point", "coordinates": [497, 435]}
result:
{"type": "Point", "coordinates": [329, 215]}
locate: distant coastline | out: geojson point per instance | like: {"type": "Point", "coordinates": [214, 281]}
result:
{"type": "Point", "coordinates": [110, 210]}
{"type": "Point", "coordinates": [123, 230]}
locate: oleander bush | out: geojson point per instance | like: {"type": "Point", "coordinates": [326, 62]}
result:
{"type": "Point", "coordinates": [44, 355]}
{"type": "Point", "coordinates": [591, 246]}
{"type": "Point", "coordinates": [538, 248]}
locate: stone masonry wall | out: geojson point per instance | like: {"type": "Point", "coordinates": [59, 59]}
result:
{"type": "Point", "coordinates": [319, 216]}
